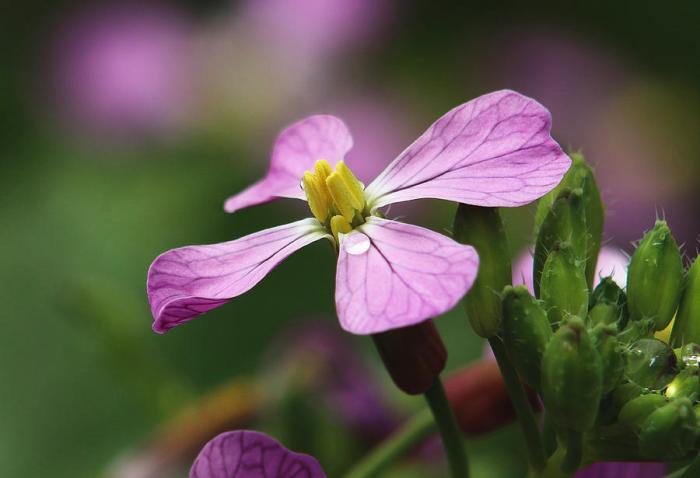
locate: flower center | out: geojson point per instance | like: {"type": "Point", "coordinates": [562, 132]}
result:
{"type": "Point", "coordinates": [336, 198]}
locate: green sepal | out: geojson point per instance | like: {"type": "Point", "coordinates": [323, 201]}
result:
{"type": "Point", "coordinates": [564, 289]}
{"type": "Point", "coordinates": [580, 176]}
{"type": "Point", "coordinates": [655, 277]}
{"type": "Point", "coordinates": [604, 339]}
{"type": "Point", "coordinates": [564, 223]}
{"type": "Point", "coordinates": [651, 364]}
{"type": "Point", "coordinates": [669, 433]}
{"type": "Point", "coordinates": [686, 327]}
{"type": "Point", "coordinates": [482, 228]}
{"type": "Point", "coordinates": [572, 377]}
{"type": "Point", "coordinates": [526, 333]}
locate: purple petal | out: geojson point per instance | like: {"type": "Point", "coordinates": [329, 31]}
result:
{"type": "Point", "coordinates": [186, 282]}
{"type": "Point", "coordinates": [623, 470]}
{"type": "Point", "coordinates": [296, 150]}
{"type": "Point", "coordinates": [249, 454]}
{"type": "Point", "coordinates": [493, 151]}
{"type": "Point", "coordinates": [392, 275]}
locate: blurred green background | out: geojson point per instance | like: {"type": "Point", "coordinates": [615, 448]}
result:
{"type": "Point", "coordinates": [125, 126]}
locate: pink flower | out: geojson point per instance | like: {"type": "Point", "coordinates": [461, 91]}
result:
{"type": "Point", "coordinates": [494, 151]}
{"type": "Point", "coordinates": [249, 454]}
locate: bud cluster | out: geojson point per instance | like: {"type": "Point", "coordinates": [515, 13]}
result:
{"type": "Point", "coordinates": [609, 383]}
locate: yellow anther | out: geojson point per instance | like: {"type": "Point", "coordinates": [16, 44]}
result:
{"type": "Point", "coordinates": [351, 181]}
{"type": "Point", "coordinates": [344, 200]}
{"type": "Point", "coordinates": [339, 225]}
{"type": "Point", "coordinates": [317, 195]}
{"type": "Point", "coordinates": [322, 170]}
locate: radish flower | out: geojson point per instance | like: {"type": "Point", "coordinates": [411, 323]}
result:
{"type": "Point", "coordinates": [493, 151]}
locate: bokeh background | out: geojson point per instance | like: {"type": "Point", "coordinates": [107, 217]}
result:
{"type": "Point", "coordinates": [125, 125]}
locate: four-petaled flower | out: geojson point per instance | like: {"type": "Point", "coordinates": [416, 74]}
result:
{"type": "Point", "coordinates": [494, 151]}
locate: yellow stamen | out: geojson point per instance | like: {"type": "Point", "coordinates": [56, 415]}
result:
{"type": "Point", "coordinates": [353, 184]}
{"type": "Point", "coordinates": [316, 194]}
{"type": "Point", "coordinates": [339, 225]}
{"type": "Point", "coordinates": [322, 170]}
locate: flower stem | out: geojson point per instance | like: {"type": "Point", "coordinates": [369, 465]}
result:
{"type": "Point", "coordinates": [449, 431]}
{"type": "Point", "coordinates": [410, 435]}
{"type": "Point", "coordinates": [574, 451]}
{"type": "Point", "coordinates": [518, 397]}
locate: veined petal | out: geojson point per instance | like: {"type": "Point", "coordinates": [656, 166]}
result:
{"type": "Point", "coordinates": [249, 454]}
{"type": "Point", "coordinates": [392, 275]}
{"type": "Point", "coordinates": [295, 151]}
{"type": "Point", "coordinates": [494, 151]}
{"type": "Point", "coordinates": [186, 282]}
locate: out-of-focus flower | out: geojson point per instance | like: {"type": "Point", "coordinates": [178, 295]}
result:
{"type": "Point", "coordinates": [250, 454]}
{"type": "Point", "coordinates": [317, 27]}
{"type": "Point", "coordinates": [611, 112]}
{"type": "Point", "coordinates": [123, 70]}
{"type": "Point", "coordinates": [493, 151]}
{"type": "Point", "coordinates": [611, 262]}
{"type": "Point", "coordinates": [264, 59]}
{"type": "Point", "coordinates": [339, 378]}
{"type": "Point", "coordinates": [623, 470]}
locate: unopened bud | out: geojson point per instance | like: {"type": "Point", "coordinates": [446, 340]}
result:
{"type": "Point", "coordinates": [609, 293]}
{"type": "Point", "coordinates": [565, 223]}
{"type": "Point", "coordinates": [564, 290]}
{"type": "Point", "coordinates": [651, 364]}
{"type": "Point", "coordinates": [580, 176]}
{"type": "Point", "coordinates": [604, 314]}
{"type": "Point", "coordinates": [635, 412]}
{"type": "Point", "coordinates": [572, 377]}
{"type": "Point", "coordinates": [482, 228]}
{"type": "Point", "coordinates": [604, 339]}
{"type": "Point", "coordinates": [526, 332]}
{"type": "Point", "coordinates": [685, 384]}
{"type": "Point", "coordinates": [414, 356]}
{"type": "Point", "coordinates": [686, 327]}
{"type": "Point", "coordinates": [669, 433]}
{"type": "Point", "coordinates": [655, 277]}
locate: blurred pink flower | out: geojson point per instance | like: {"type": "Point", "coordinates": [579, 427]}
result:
{"type": "Point", "coordinates": [122, 69]}
{"type": "Point", "coordinates": [622, 470]}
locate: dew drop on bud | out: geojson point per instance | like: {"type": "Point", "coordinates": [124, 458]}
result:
{"type": "Point", "coordinates": [356, 243]}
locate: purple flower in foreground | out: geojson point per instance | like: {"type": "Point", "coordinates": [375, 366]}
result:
{"type": "Point", "coordinates": [622, 470]}
{"type": "Point", "coordinates": [493, 151]}
{"type": "Point", "coordinates": [249, 454]}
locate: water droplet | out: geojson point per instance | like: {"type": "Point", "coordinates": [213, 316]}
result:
{"type": "Point", "coordinates": [356, 243]}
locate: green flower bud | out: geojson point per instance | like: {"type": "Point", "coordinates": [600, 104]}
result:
{"type": "Point", "coordinates": [564, 290]}
{"type": "Point", "coordinates": [572, 377]}
{"type": "Point", "coordinates": [604, 339]}
{"type": "Point", "coordinates": [685, 384]}
{"type": "Point", "coordinates": [580, 176]}
{"type": "Point", "coordinates": [604, 314]}
{"type": "Point", "coordinates": [686, 328]}
{"type": "Point", "coordinates": [623, 394]}
{"type": "Point", "coordinates": [482, 228]}
{"type": "Point", "coordinates": [690, 355]}
{"type": "Point", "coordinates": [651, 364]}
{"type": "Point", "coordinates": [635, 412]}
{"type": "Point", "coordinates": [608, 292]}
{"type": "Point", "coordinates": [565, 222]}
{"type": "Point", "coordinates": [526, 332]}
{"type": "Point", "coordinates": [641, 329]}
{"type": "Point", "coordinates": [655, 276]}
{"type": "Point", "coordinates": [669, 433]}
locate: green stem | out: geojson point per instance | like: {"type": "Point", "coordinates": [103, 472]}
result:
{"type": "Point", "coordinates": [394, 447]}
{"type": "Point", "coordinates": [549, 434]}
{"type": "Point", "coordinates": [526, 417]}
{"type": "Point", "coordinates": [449, 431]}
{"type": "Point", "coordinates": [690, 471]}
{"type": "Point", "coordinates": [574, 450]}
